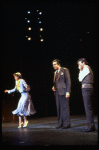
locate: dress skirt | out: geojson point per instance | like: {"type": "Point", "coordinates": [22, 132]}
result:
{"type": "Point", "coordinates": [25, 105]}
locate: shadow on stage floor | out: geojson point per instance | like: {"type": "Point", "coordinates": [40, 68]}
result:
{"type": "Point", "coordinates": [42, 131]}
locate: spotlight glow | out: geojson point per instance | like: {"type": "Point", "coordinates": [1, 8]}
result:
{"type": "Point", "coordinates": [29, 28]}
{"type": "Point", "coordinates": [28, 12]}
{"type": "Point", "coordinates": [41, 40]}
{"type": "Point", "coordinates": [41, 29]}
{"type": "Point", "coordinates": [40, 13]}
{"type": "Point", "coordinates": [28, 21]}
{"type": "Point", "coordinates": [39, 21]}
{"type": "Point", "coordinates": [29, 38]}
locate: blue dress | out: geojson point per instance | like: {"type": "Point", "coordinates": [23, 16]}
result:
{"type": "Point", "coordinates": [25, 105]}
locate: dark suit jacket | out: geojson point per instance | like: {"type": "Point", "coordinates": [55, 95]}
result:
{"type": "Point", "coordinates": [63, 84]}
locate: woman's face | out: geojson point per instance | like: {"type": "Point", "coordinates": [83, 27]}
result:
{"type": "Point", "coordinates": [16, 77]}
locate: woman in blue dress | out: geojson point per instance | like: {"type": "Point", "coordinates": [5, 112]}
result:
{"type": "Point", "coordinates": [25, 106]}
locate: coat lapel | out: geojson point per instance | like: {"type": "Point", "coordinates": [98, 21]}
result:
{"type": "Point", "coordinates": [59, 74]}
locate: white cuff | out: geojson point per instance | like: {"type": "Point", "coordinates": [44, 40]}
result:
{"type": "Point", "coordinates": [67, 93]}
{"type": "Point", "coordinates": [8, 91]}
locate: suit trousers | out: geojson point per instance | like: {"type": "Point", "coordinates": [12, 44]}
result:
{"type": "Point", "coordinates": [62, 104]}
{"type": "Point", "coordinates": [87, 94]}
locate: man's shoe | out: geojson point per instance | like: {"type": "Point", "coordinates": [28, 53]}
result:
{"type": "Point", "coordinates": [89, 129]}
{"type": "Point", "coordinates": [58, 127]}
{"type": "Point", "coordinates": [66, 127]}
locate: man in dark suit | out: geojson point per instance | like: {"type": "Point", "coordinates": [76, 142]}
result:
{"type": "Point", "coordinates": [61, 88]}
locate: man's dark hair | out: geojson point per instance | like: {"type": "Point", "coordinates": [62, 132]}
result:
{"type": "Point", "coordinates": [82, 60]}
{"type": "Point", "coordinates": [56, 60]}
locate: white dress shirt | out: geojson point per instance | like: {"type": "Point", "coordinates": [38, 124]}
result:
{"type": "Point", "coordinates": [84, 73]}
{"type": "Point", "coordinates": [58, 70]}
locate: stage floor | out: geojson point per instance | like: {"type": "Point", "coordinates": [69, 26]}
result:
{"type": "Point", "coordinates": [41, 131]}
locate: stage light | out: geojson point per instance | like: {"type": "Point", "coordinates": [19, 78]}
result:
{"type": "Point", "coordinates": [37, 10]}
{"type": "Point", "coordinates": [80, 39]}
{"type": "Point", "coordinates": [41, 29]}
{"type": "Point", "coordinates": [29, 38]}
{"type": "Point", "coordinates": [29, 28]}
{"type": "Point", "coordinates": [28, 21]}
{"type": "Point", "coordinates": [41, 40]}
{"type": "Point", "coordinates": [25, 18]}
{"type": "Point", "coordinates": [40, 13]}
{"type": "Point", "coordinates": [28, 12]}
{"type": "Point", "coordinates": [39, 21]}
{"type": "Point", "coordinates": [38, 18]}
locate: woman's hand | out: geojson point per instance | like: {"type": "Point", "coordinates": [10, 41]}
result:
{"type": "Point", "coordinates": [28, 87]}
{"type": "Point", "coordinates": [6, 91]}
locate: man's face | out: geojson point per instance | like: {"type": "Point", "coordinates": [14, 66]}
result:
{"type": "Point", "coordinates": [56, 66]}
{"type": "Point", "coordinates": [81, 65]}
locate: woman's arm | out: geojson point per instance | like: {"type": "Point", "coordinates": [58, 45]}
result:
{"type": "Point", "coordinates": [10, 91]}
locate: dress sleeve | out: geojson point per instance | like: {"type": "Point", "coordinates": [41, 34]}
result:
{"type": "Point", "coordinates": [12, 91]}
{"type": "Point", "coordinates": [25, 84]}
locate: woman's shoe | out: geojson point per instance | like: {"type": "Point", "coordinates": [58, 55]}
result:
{"type": "Point", "coordinates": [25, 124]}
{"type": "Point", "coordinates": [20, 125]}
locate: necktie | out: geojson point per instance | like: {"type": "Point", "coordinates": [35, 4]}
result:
{"type": "Point", "coordinates": [17, 85]}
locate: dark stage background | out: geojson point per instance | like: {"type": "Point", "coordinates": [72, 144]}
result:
{"type": "Point", "coordinates": [69, 33]}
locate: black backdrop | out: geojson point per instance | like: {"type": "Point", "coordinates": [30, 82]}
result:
{"type": "Point", "coordinates": [69, 33]}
